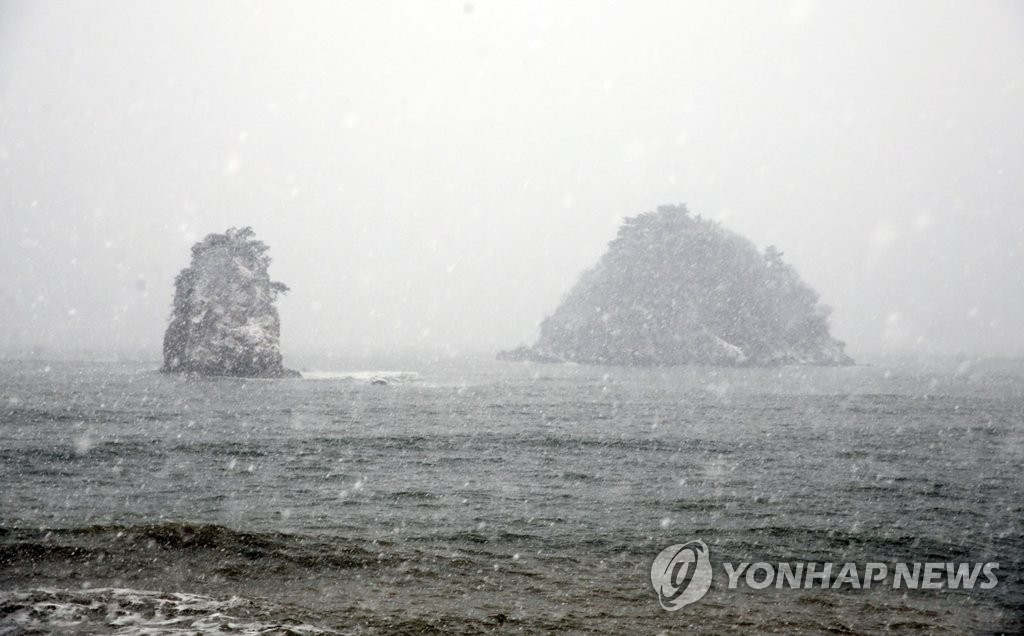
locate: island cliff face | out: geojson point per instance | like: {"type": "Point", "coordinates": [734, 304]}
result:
{"type": "Point", "coordinates": [224, 321]}
{"type": "Point", "coordinates": [673, 289]}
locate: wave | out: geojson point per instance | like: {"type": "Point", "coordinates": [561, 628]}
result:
{"type": "Point", "coordinates": [102, 579]}
{"type": "Point", "coordinates": [129, 611]}
{"type": "Point", "coordinates": [379, 377]}
{"type": "Point", "coordinates": [215, 549]}
{"type": "Point", "coordinates": [154, 552]}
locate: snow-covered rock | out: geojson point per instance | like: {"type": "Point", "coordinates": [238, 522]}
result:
{"type": "Point", "coordinates": [224, 321]}
{"type": "Point", "coordinates": [676, 289]}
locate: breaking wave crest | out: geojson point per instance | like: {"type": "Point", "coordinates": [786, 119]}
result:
{"type": "Point", "coordinates": [128, 611]}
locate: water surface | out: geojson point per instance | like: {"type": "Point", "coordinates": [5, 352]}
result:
{"type": "Point", "coordinates": [469, 496]}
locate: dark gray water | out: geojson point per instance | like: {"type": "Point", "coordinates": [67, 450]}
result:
{"type": "Point", "coordinates": [478, 497]}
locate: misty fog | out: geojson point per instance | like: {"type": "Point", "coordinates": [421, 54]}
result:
{"type": "Point", "coordinates": [435, 176]}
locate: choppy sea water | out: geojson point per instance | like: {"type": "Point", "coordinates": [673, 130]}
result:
{"type": "Point", "coordinates": [485, 497]}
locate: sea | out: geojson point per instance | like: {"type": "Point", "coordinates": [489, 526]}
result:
{"type": "Point", "coordinates": [470, 496]}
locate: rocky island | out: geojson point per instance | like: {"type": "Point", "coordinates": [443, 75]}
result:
{"type": "Point", "coordinates": [224, 322]}
{"type": "Point", "coordinates": [674, 289]}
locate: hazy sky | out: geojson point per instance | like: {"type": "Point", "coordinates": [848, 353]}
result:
{"type": "Point", "coordinates": [435, 175]}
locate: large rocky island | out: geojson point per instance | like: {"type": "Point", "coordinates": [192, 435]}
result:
{"type": "Point", "coordinates": [224, 321]}
{"type": "Point", "coordinates": [675, 289]}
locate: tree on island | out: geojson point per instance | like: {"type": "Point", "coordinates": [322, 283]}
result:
{"type": "Point", "coordinates": [677, 289]}
{"type": "Point", "coordinates": [224, 321]}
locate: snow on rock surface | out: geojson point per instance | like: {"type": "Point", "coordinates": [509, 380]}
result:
{"type": "Point", "coordinates": [676, 289]}
{"type": "Point", "coordinates": [224, 321]}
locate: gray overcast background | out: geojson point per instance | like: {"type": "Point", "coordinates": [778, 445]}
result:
{"type": "Point", "coordinates": [435, 175]}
